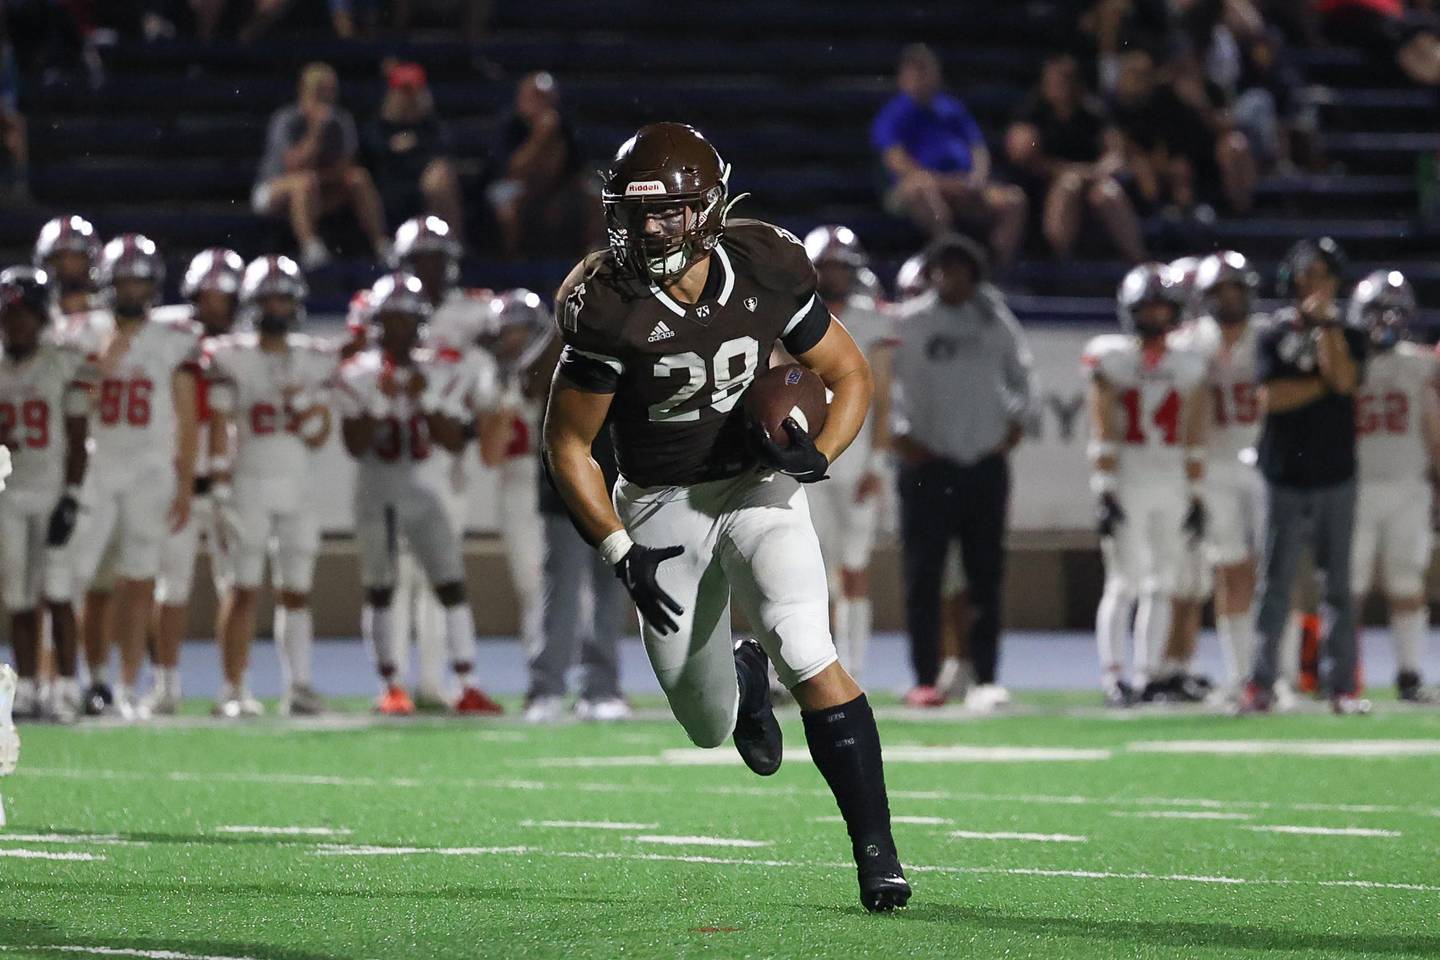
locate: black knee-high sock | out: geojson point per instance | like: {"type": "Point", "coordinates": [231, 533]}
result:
{"type": "Point", "coordinates": [846, 747]}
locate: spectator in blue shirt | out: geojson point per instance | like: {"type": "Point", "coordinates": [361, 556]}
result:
{"type": "Point", "coordinates": [938, 163]}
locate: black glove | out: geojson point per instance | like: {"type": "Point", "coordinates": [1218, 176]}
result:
{"type": "Point", "coordinates": [62, 522]}
{"type": "Point", "coordinates": [1195, 520]}
{"type": "Point", "coordinates": [637, 571]}
{"type": "Point", "coordinates": [800, 460]}
{"type": "Point", "coordinates": [1108, 515]}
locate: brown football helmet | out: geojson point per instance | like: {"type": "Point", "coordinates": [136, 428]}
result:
{"type": "Point", "coordinates": [667, 174]}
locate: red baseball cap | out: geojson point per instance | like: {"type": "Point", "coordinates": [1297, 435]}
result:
{"type": "Point", "coordinates": [406, 75]}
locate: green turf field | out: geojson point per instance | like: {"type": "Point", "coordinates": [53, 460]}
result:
{"type": "Point", "coordinates": [1082, 835]}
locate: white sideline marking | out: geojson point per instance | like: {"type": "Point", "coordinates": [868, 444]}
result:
{"type": "Point", "coordinates": [914, 753]}
{"type": "Point", "coordinates": [68, 838]}
{"type": "Point", "coordinates": [1293, 748]}
{"type": "Point", "coordinates": [767, 792]}
{"type": "Point", "coordinates": [692, 841]}
{"type": "Point", "coordinates": [1011, 835]}
{"type": "Point", "coordinates": [119, 952]}
{"type": "Point", "coordinates": [20, 853]}
{"type": "Point", "coordinates": [286, 831]}
{"type": "Point", "coordinates": [1324, 831]}
{"type": "Point", "coordinates": [1183, 814]}
{"type": "Point", "coordinates": [588, 824]}
{"type": "Point", "coordinates": [897, 818]}
{"type": "Point", "coordinates": [348, 850]}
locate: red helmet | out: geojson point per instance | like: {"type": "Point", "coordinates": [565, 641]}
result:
{"type": "Point", "coordinates": [670, 172]}
{"type": "Point", "coordinates": [218, 268]}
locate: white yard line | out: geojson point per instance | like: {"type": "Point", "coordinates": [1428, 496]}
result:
{"type": "Point", "coordinates": [1182, 814]}
{"type": "Point", "coordinates": [20, 853]}
{"type": "Point", "coordinates": [1323, 831]}
{"type": "Point", "coordinates": [285, 831]}
{"type": "Point", "coordinates": [900, 753]}
{"type": "Point", "coordinates": [1013, 835]}
{"type": "Point", "coordinates": [897, 818]}
{"type": "Point", "coordinates": [361, 850]}
{"type": "Point", "coordinates": [588, 825]}
{"type": "Point", "coordinates": [694, 841]}
{"type": "Point", "coordinates": [108, 838]}
{"type": "Point", "coordinates": [1362, 749]}
{"type": "Point", "coordinates": [121, 952]}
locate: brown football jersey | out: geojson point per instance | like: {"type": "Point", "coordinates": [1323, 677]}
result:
{"type": "Point", "coordinates": [677, 370]}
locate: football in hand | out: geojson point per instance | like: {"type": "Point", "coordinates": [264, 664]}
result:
{"type": "Point", "coordinates": [787, 391]}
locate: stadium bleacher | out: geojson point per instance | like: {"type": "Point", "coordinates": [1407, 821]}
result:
{"type": "Point", "coordinates": [170, 150]}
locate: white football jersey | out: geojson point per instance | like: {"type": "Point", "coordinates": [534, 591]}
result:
{"type": "Point", "coordinates": [1234, 393]}
{"type": "Point", "coordinates": [1150, 394]}
{"type": "Point", "coordinates": [370, 383]}
{"type": "Point", "coordinates": [262, 391]}
{"type": "Point", "coordinates": [36, 395]}
{"type": "Point", "coordinates": [458, 320]}
{"type": "Point", "coordinates": [871, 331]}
{"type": "Point", "coordinates": [133, 420]}
{"type": "Point", "coordinates": [1397, 386]}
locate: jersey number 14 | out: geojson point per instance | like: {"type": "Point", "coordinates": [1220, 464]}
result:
{"type": "Point", "coordinates": [1166, 417]}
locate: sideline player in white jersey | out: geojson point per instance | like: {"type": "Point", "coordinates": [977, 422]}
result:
{"type": "Point", "coordinates": [1147, 414]}
{"type": "Point", "coordinates": [1397, 422]}
{"type": "Point", "coordinates": [1225, 333]}
{"type": "Point", "coordinates": [143, 426]}
{"type": "Point", "coordinates": [43, 406]}
{"type": "Point", "coordinates": [516, 335]}
{"type": "Point", "coordinates": [270, 382]}
{"type": "Point", "coordinates": [394, 401]}
{"type": "Point", "coordinates": [211, 288]}
{"type": "Point", "coordinates": [846, 510]}
{"type": "Point", "coordinates": [426, 246]}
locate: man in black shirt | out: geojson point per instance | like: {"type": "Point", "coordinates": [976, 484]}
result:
{"type": "Point", "coordinates": [1308, 366]}
{"type": "Point", "coordinates": [408, 148]}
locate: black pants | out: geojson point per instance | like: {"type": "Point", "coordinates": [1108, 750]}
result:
{"type": "Point", "coordinates": [942, 501]}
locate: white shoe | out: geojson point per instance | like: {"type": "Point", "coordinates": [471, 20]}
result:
{"type": "Point", "coordinates": [163, 700]}
{"type": "Point", "coordinates": [9, 739]}
{"type": "Point", "coordinates": [986, 698]}
{"type": "Point", "coordinates": [301, 701]}
{"type": "Point", "coordinates": [237, 704]}
{"type": "Point", "coordinates": [126, 707]}
{"type": "Point", "coordinates": [1286, 699]}
{"type": "Point", "coordinates": [26, 703]}
{"type": "Point", "coordinates": [956, 678]}
{"type": "Point", "coordinates": [314, 255]}
{"type": "Point", "coordinates": [607, 710]}
{"type": "Point", "coordinates": [63, 704]}
{"type": "Point", "coordinates": [544, 709]}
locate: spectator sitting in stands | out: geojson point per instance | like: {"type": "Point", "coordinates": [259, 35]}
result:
{"type": "Point", "coordinates": [309, 168]}
{"type": "Point", "coordinates": [408, 148]}
{"type": "Point", "coordinates": [1176, 143]}
{"type": "Point", "coordinates": [1064, 143]}
{"type": "Point", "coordinates": [542, 201]}
{"type": "Point", "coordinates": [1390, 31]}
{"type": "Point", "coordinates": [12, 122]}
{"type": "Point", "coordinates": [939, 165]}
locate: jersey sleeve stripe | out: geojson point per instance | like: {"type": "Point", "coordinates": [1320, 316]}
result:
{"type": "Point", "coordinates": [798, 316]}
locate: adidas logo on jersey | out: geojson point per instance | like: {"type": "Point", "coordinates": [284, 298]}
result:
{"type": "Point", "coordinates": [662, 331]}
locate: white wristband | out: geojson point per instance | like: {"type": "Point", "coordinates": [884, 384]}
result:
{"type": "Point", "coordinates": [220, 464]}
{"type": "Point", "coordinates": [1195, 454]}
{"type": "Point", "coordinates": [1102, 483]}
{"type": "Point", "coordinates": [72, 490]}
{"type": "Point", "coordinates": [1102, 448]}
{"type": "Point", "coordinates": [614, 547]}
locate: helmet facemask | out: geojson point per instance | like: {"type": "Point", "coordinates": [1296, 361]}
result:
{"type": "Point", "coordinates": [686, 228]}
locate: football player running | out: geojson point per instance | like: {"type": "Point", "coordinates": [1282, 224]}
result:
{"type": "Point", "coordinates": [846, 511]}
{"type": "Point", "coordinates": [271, 385]}
{"type": "Point", "coordinates": [1225, 333]}
{"type": "Point", "coordinates": [43, 407]}
{"type": "Point", "coordinates": [1397, 422]}
{"type": "Point", "coordinates": [394, 401]}
{"type": "Point", "coordinates": [211, 288]}
{"type": "Point", "coordinates": [144, 430]}
{"type": "Point", "coordinates": [663, 332]}
{"type": "Point", "coordinates": [1147, 454]}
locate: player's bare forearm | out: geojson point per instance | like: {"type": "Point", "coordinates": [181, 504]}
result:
{"type": "Point", "coordinates": [77, 457]}
{"type": "Point", "coordinates": [358, 433]}
{"type": "Point", "coordinates": [316, 439]}
{"type": "Point", "coordinates": [880, 440]}
{"type": "Point", "coordinates": [1197, 417]}
{"type": "Point", "coordinates": [1101, 404]}
{"type": "Point", "coordinates": [1430, 424]}
{"type": "Point", "coordinates": [843, 368]}
{"type": "Point", "coordinates": [1290, 393]}
{"type": "Point", "coordinates": [493, 435]}
{"type": "Point", "coordinates": [447, 431]}
{"type": "Point", "coordinates": [187, 422]}
{"type": "Point", "coordinates": [573, 418]}
{"type": "Point", "coordinates": [1338, 369]}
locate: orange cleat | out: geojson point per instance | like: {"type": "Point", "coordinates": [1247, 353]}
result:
{"type": "Point", "coordinates": [395, 702]}
{"type": "Point", "coordinates": [924, 697]}
{"type": "Point", "coordinates": [476, 701]}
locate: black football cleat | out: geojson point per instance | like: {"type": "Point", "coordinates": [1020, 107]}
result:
{"type": "Point", "coordinates": [1191, 688]}
{"type": "Point", "coordinates": [1119, 695]}
{"type": "Point", "coordinates": [883, 886]}
{"type": "Point", "coordinates": [1409, 688]}
{"type": "Point", "coordinates": [1157, 691]}
{"type": "Point", "coordinates": [757, 732]}
{"type": "Point", "coordinates": [98, 700]}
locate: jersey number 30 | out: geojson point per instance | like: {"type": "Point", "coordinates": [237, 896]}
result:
{"type": "Point", "coordinates": [728, 383]}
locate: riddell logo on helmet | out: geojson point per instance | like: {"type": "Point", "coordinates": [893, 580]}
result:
{"type": "Point", "coordinates": [640, 188]}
